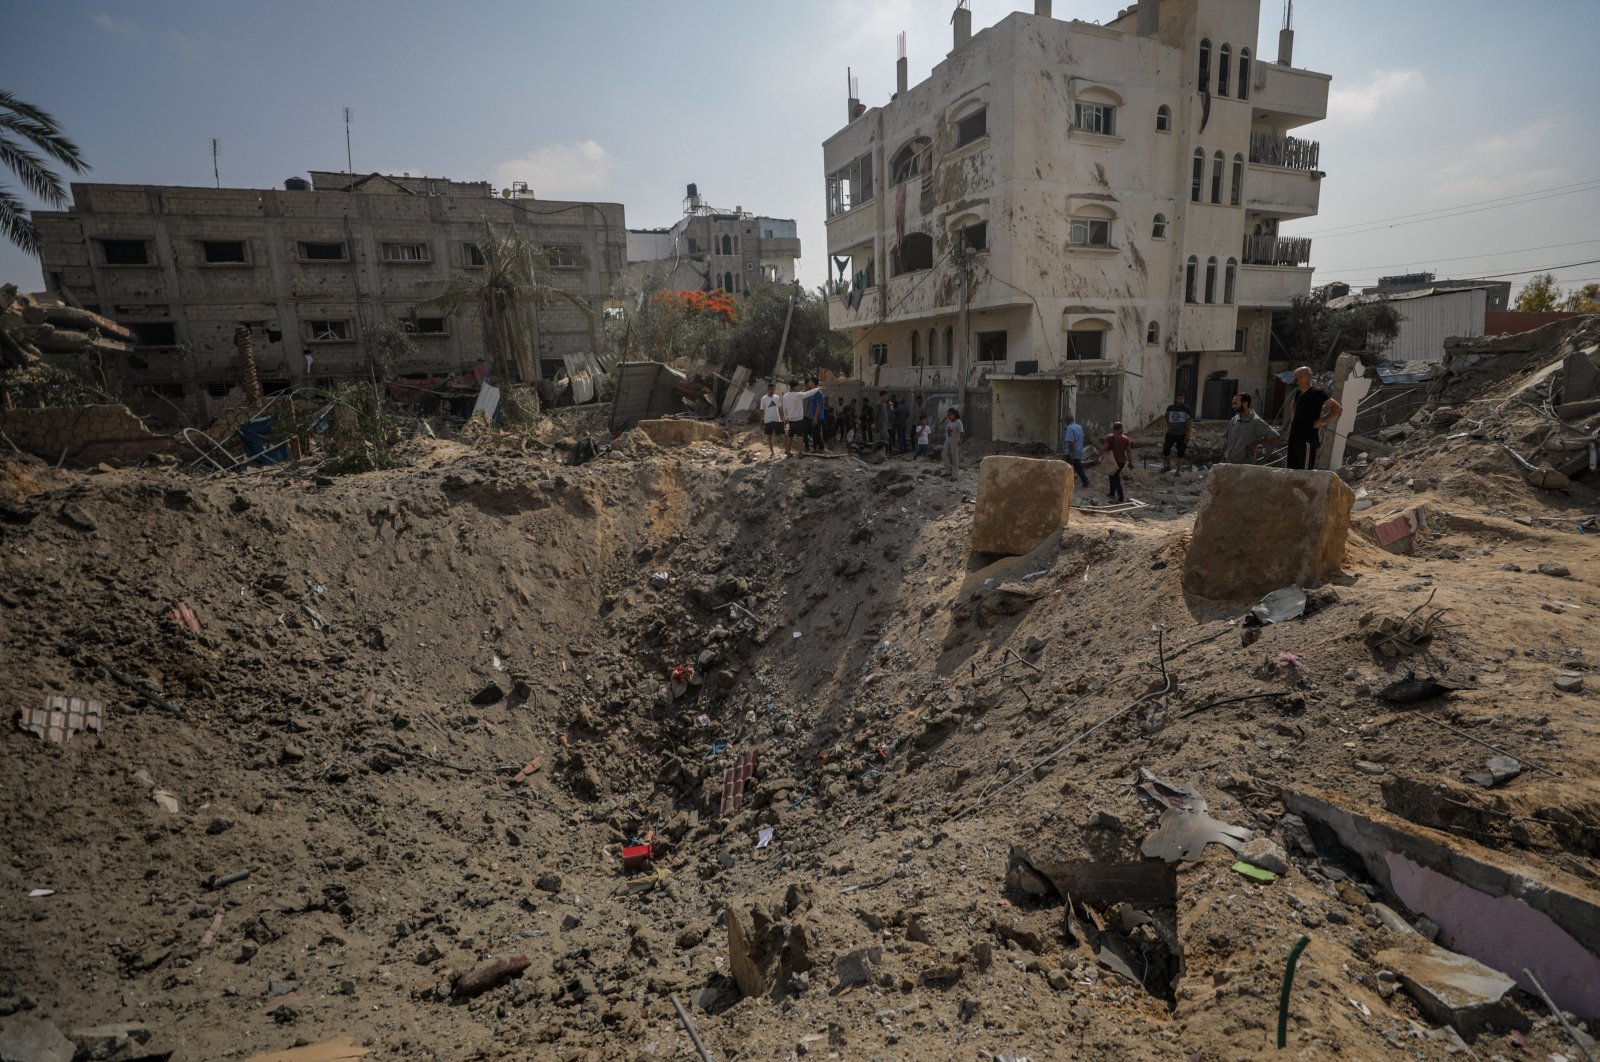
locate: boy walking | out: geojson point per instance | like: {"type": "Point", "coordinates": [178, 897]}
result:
{"type": "Point", "coordinates": [955, 433]}
{"type": "Point", "coordinates": [1121, 448]}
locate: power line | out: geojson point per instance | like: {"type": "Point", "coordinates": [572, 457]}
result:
{"type": "Point", "coordinates": [1439, 214]}
{"type": "Point", "coordinates": [1486, 254]}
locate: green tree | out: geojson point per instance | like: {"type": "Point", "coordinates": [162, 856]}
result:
{"type": "Point", "coordinates": [812, 345]}
{"type": "Point", "coordinates": [26, 135]}
{"type": "Point", "coordinates": [1583, 300]}
{"type": "Point", "coordinates": [1539, 295]}
{"type": "Point", "coordinates": [1317, 333]}
{"type": "Point", "coordinates": [515, 283]}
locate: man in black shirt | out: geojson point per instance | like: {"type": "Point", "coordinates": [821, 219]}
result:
{"type": "Point", "coordinates": [1313, 407]}
{"type": "Point", "coordinates": [1180, 421]}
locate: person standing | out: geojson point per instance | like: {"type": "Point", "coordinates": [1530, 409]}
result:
{"type": "Point", "coordinates": [794, 416]}
{"type": "Point", "coordinates": [902, 422]}
{"type": "Point", "coordinates": [1072, 448]}
{"type": "Point", "coordinates": [816, 416]}
{"type": "Point", "coordinates": [885, 419]}
{"type": "Point", "coordinates": [1179, 423]}
{"type": "Point", "coordinates": [771, 406]}
{"type": "Point", "coordinates": [1246, 433]}
{"type": "Point", "coordinates": [955, 433]}
{"type": "Point", "coordinates": [1313, 407]}
{"type": "Point", "coordinates": [1121, 448]}
{"type": "Point", "coordinates": [924, 437]}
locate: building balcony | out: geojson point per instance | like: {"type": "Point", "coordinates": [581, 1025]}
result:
{"type": "Point", "coordinates": [1277, 250]}
{"type": "Point", "coordinates": [866, 312]}
{"type": "Point", "coordinates": [1272, 287]}
{"type": "Point", "coordinates": [855, 227]}
{"type": "Point", "coordinates": [780, 247]}
{"type": "Point", "coordinates": [1287, 96]}
{"type": "Point", "coordinates": [1286, 152]}
{"type": "Point", "coordinates": [1283, 193]}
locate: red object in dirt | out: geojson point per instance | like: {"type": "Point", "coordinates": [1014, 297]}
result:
{"type": "Point", "coordinates": [734, 781]}
{"type": "Point", "coordinates": [634, 857]}
{"type": "Point", "coordinates": [522, 775]}
{"type": "Point", "coordinates": [184, 617]}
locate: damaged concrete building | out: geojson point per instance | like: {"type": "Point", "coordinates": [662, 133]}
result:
{"type": "Point", "coordinates": [1073, 217]}
{"type": "Point", "coordinates": [308, 268]}
{"type": "Point", "coordinates": [711, 249]}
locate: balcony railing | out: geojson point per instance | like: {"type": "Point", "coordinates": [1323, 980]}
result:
{"type": "Point", "coordinates": [1269, 149]}
{"type": "Point", "coordinates": [1277, 250]}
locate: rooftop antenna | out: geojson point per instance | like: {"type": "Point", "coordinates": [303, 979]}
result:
{"type": "Point", "coordinates": [215, 173]}
{"type": "Point", "coordinates": [1288, 14]}
{"type": "Point", "coordinates": [900, 44]}
{"type": "Point", "coordinates": [348, 166]}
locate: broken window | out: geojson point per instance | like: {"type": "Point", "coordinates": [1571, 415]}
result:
{"type": "Point", "coordinates": [223, 252]}
{"type": "Point", "coordinates": [848, 187]}
{"type": "Point", "coordinates": [915, 254]}
{"type": "Point", "coordinates": [1189, 272]}
{"type": "Point", "coordinates": [911, 160]}
{"type": "Point", "coordinates": [1163, 119]}
{"type": "Point", "coordinates": [1152, 333]}
{"type": "Point", "coordinates": [879, 354]}
{"type": "Point", "coordinates": [1090, 232]}
{"type": "Point", "coordinates": [1211, 279]}
{"type": "Point", "coordinates": [471, 255]}
{"type": "Point", "coordinates": [1244, 73]}
{"type": "Point", "coordinates": [406, 252]}
{"type": "Point", "coordinates": [1205, 65]}
{"type": "Point", "coordinates": [426, 326]}
{"type": "Point", "coordinates": [1086, 344]}
{"type": "Point", "coordinates": [564, 256]}
{"type": "Point", "coordinates": [1237, 195]}
{"type": "Point", "coordinates": [1224, 61]}
{"type": "Point", "coordinates": [1096, 118]}
{"type": "Point", "coordinates": [991, 346]}
{"type": "Point", "coordinates": [154, 333]}
{"type": "Point", "coordinates": [218, 388]}
{"type": "Point", "coordinates": [1216, 177]}
{"type": "Point", "coordinates": [974, 126]}
{"type": "Point", "coordinates": [1197, 179]}
{"type": "Point", "coordinates": [1238, 341]}
{"type": "Point", "coordinates": [1158, 228]}
{"type": "Point", "coordinates": [125, 252]}
{"type": "Point", "coordinates": [328, 331]}
{"type": "Point", "coordinates": [976, 237]}
{"type": "Point", "coordinates": [172, 392]}
{"type": "Point", "coordinates": [322, 251]}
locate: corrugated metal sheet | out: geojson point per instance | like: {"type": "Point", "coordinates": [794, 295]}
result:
{"type": "Point", "coordinates": [645, 389]}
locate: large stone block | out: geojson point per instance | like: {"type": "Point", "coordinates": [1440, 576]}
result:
{"type": "Point", "coordinates": [679, 432]}
{"type": "Point", "coordinates": [1021, 502]}
{"type": "Point", "coordinates": [1260, 529]}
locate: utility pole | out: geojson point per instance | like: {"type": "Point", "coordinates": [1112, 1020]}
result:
{"type": "Point", "coordinates": [349, 167]}
{"type": "Point", "coordinates": [960, 257]}
{"type": "Point", "coordinates": [783, 341]}
{"type": "Point", "coordinates": [215, 173]}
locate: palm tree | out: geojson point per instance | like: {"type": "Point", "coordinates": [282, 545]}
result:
{"type": "Point", "coordinates": [23, 124]}
{"type": "Point", "coordinates": [515, 282]}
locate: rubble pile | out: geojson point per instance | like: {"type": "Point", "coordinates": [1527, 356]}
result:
{"type": "Point", "coordinates": [31, 325]}
{"type": "Point", "coordinates": [500, 756]}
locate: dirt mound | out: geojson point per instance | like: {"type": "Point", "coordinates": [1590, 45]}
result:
{"type": "Point", "coordinates": [655, 638]}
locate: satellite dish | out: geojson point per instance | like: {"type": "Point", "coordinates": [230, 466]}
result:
{"type": "Point", "coordinates": [505, 193]}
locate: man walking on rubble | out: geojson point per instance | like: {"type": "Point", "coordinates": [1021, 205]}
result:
{"type": "Point", "coordinates": [771, 406]}
{"type": "Point", "coordinates": [1313, 407]}
{"type": "Point", "coordinates": [1246, 433]}
{"type": "Point", "coordinates": [1072, 448]}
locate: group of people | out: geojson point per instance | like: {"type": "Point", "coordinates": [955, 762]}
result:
{"type": "Point", "coordinates": [806, 414]}
{"type": "Point", "coordinates": [1312, 409]}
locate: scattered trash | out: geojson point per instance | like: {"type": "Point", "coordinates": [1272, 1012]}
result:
{"type": "Point", "coordinates": [166, 801]}
{"type": "Point", "coordinates": [764, 838]}
{"type": "Point", "coordinates": [799, 634]}
{"type": "Point", "coordinates": [526, 772]}
{"type": "Point", "coordinates": [1280, 605]}
{"type": "Point", "coordinates": [712, 752]}
{"type": "Point", "coordinates": [662, 579]}
{"type": "Point", "coordinates": [1288, 983]}
{"type": "Point", "coordinates": [1501, 769]}
{"type": "Point", "coordinates": [1184, 829]}
{"type": "Point", "coordinates": [62, 717]}
{"type": "Point", "coordinates": [318, 620]}
{"type": "Point", "coordinates": [210, 936]}
{"type": "Point", "coordinates": [1255, 872]}
{"type": "Point", "coordinates": [734, 781]}
{"type": "Point", "coordinates": [1290, 661]}
{"type": "Point", "coordinates": [702, 720]}
{"type": "Point", "coordinates": [481, 978]}
{"type": "Point", "coordinates": [647, 882]}
{"type": "Point", "coordinates": [222, 881]}
{"type": "Point", "coordinates": [1361, 1008]}
{"type": "Point", "coordinates": [36, 893]}
{"type": "Point", "coordinates": [636, 853]}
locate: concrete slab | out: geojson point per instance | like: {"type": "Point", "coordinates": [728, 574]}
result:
{"type": "Point", "coordinates": [1021, 502]}
{"type": "Point", "coordinates": [32, 1040]}
{"type": "Point", "coordinates": [1259, 529]}
{"type": "Point", "coordinates": [1453, 989]}
{"type": "Point", "coordinates": [680, 432]}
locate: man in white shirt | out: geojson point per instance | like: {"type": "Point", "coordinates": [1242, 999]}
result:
{"type": "Point", "coordinates": [793, 407]}
{"type": "Point", "coordinates": [771, 406]}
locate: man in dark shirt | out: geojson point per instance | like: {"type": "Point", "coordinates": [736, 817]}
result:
{"type": "Point", "coordinates": [1179, 423]}
{"type": "Point", "coordinates": [1313, 407]}
{"type": "Point", "coordinates": [902, 425]}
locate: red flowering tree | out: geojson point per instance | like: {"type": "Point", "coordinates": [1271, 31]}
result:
{"type": "Point", "coordinates": [693, 324]}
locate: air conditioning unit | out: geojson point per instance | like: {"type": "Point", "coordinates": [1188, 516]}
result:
{"type": "Point", "coordinates": [1026, 368]}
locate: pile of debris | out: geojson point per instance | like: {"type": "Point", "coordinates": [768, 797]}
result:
{"type": "Point", "coordinates": [33, 325]}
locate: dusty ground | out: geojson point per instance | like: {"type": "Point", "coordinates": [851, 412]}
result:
{"type": "Point", "coordinates": [321, 732]}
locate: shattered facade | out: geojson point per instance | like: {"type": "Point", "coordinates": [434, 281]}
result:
{"type": "Point", "coordinates": [709, 249]}
{"type": "Point", "coordinates": [308, 269]}
{"type": "Point", "coordinates": [1118, 190]}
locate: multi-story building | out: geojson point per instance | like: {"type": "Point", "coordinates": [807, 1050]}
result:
{"type": "Point", "coordinates": [1075, 217]}
{"type": "Point", "coordinates": [710, 249]}
{"type": "Point", "coordinates": [308, 269]}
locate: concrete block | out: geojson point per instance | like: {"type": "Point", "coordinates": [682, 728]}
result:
{"type": "Point", "coordinates": [1260, 529]}
{"type": "Point", "coordinates": [1453, 989]}
{"type": "Point", "coordinates": [680, 432]}
{"type": "Point", "coordinates": [32, 1040]}
{"type": "Point", "coordinates": [1021, 502]}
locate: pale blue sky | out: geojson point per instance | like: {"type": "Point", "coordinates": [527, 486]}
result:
{"type": "Point", "coordinates": [1436, 104]}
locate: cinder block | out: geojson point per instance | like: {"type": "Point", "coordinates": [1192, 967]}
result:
{"type": "Point", "coordinates": [1021, 502]}
{"type": "Point", "coordinates": [1261, 529]}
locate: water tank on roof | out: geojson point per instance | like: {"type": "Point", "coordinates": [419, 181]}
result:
{"type": "Point", "coordinates": [297, 184]}
{"type": "Point", "coordinates": [693, 191]}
